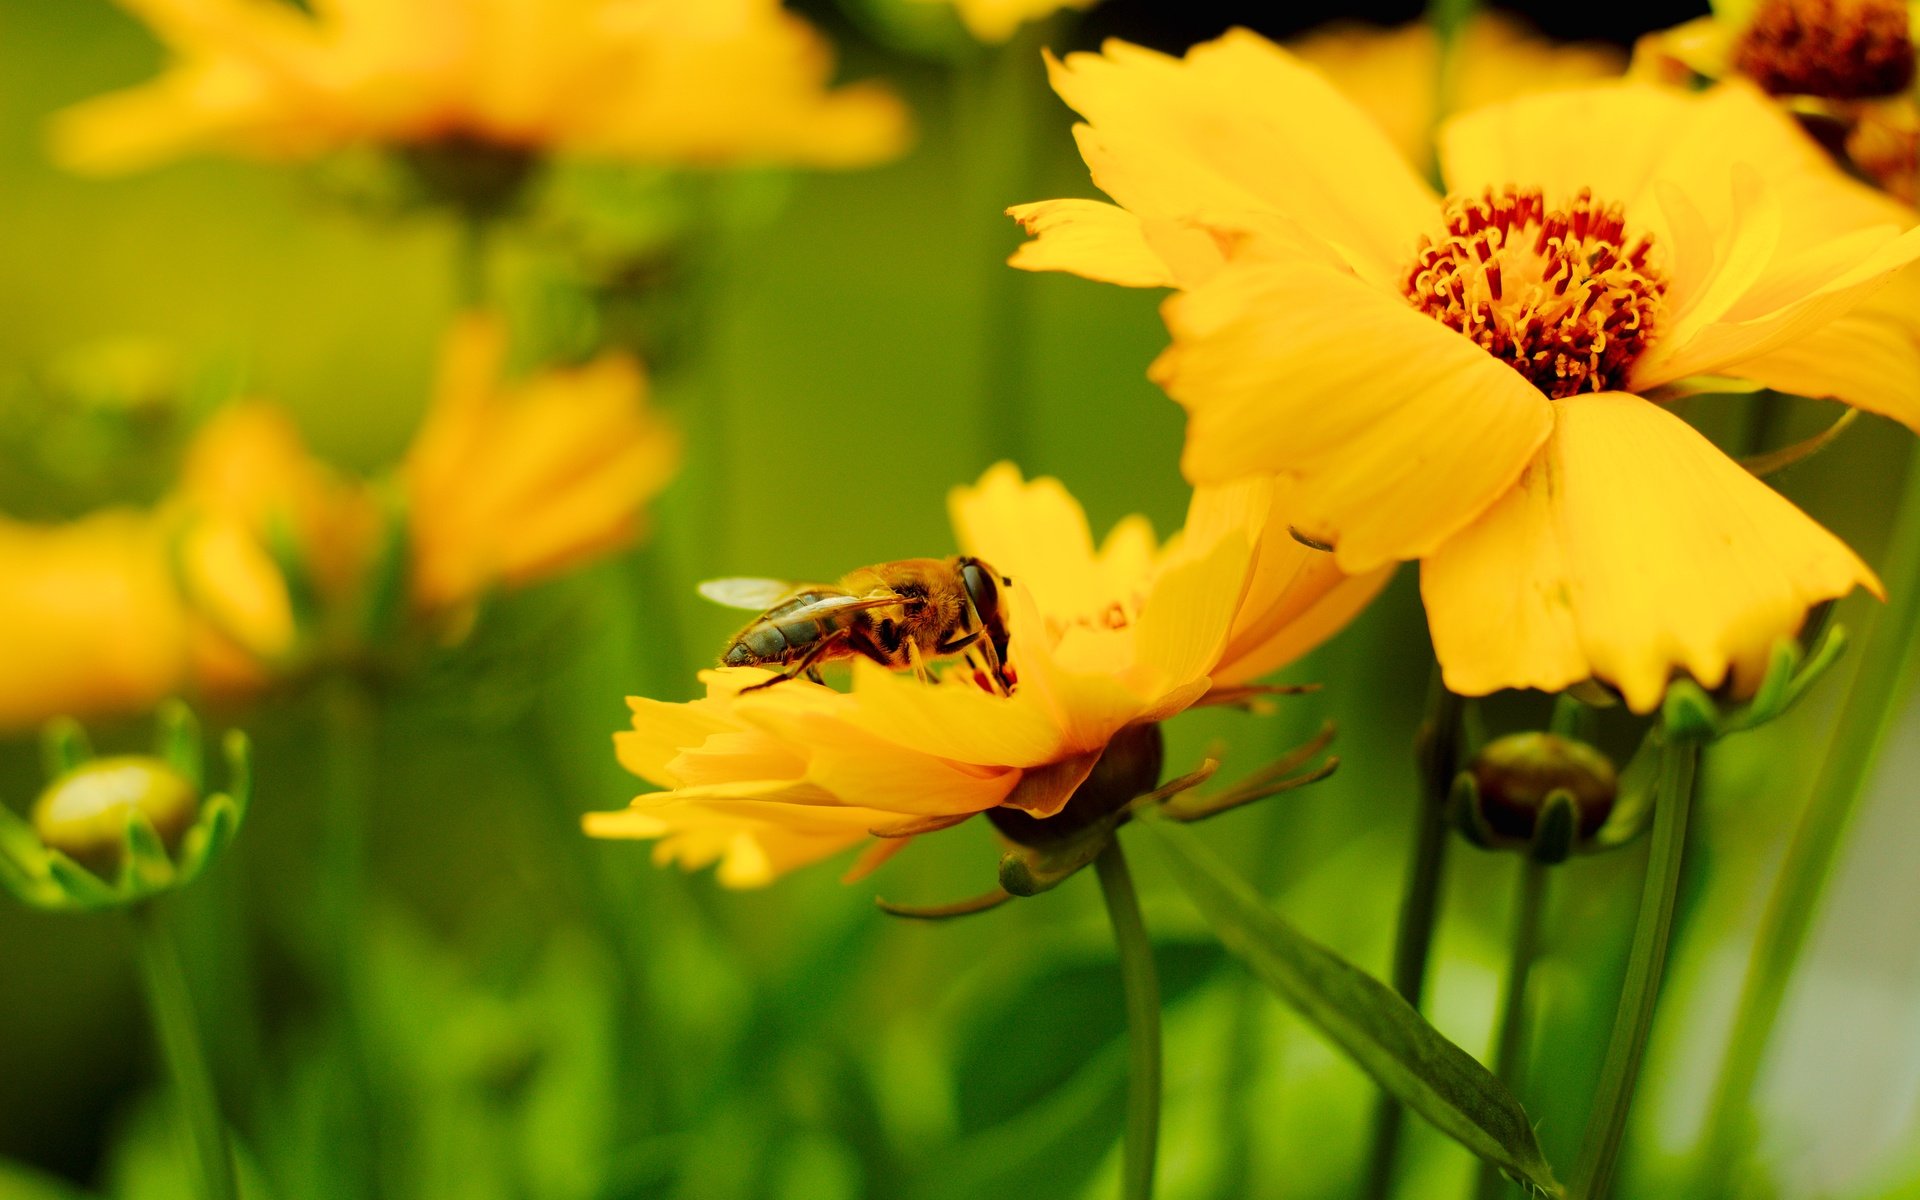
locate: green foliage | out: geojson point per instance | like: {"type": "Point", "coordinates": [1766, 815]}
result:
{"type": "Point", "coordinates": [1381, 1033]}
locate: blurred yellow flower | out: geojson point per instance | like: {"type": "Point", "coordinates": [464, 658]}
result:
{"type": "Point", "coordinates": [996, 21]}
{"type": "Point", "coordinates": [1103, 639]}
{"type": "Point", "coordinates": [252, 505]}
{"type": "Point", "coordinates": [90, 621]}
{"type": "Point", "coordinates": [1393, 75]}
{"type": "Point", "coordinates": [715, 82]}
{"type": "Point", "coordinates": [1463, 381]}
{"type": "Point", "coordinates": [1845, 62]}
{"type": "Point", "coordinates": [507, 484]}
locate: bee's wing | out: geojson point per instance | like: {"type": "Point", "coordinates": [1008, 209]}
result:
{"type": "Point", "coordinates": [755, 595]}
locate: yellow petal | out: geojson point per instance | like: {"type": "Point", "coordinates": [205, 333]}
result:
{"type": "Point", "coordinates": [1794, 299]}
{"type": "Point", "coordinates": [1036, 533]}
{"type": "Point", "coordinates": [1240, 125]}
{"type": "Point", "coordinates": [1869, 358]}
{"type": "Point", "coordinates": [1632, 549]}
{"type": "Point", "coordinates": [1395, 430]}
{"type": "Point", "coordinates": [1086, 237]}
{"type": "Point", "coordinates": [89, 620]}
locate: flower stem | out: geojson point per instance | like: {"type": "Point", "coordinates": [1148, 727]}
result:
{"type": "Point", "coordinates": [1509, 1054]}
{"type": "Point", "coordinates": [472, 236]}
{"type": "Point", "coordinates": [1438, 751]}
{"type": "Point", "coordinates": [1141, 985]}
{"type": "Point", "coordinates": [348, 732]}
{"type": "Point", "coordinates": [1640, 990]}
{"type": "Point", "coordinates": [996, 95]}
{"type": "Point", "coordinates": [170, 1004]}
{"type": "Point", "coordinates": [1886, 661]}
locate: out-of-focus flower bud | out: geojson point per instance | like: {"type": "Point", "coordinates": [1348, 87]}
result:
{"type": "Point", "coordinates": [85, 813]}
{"type": "Point", "coordinates": [1538, 792]}
{"type": "Point", "coordinates": [110, 832]}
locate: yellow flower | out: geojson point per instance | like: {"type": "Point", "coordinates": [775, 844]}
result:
{"type": "Point", "coordinates": [253, 503]}
{"type": "Point", "coordinates": [996, 21]}
{"type": "Point", "coordinates": [90, 621]}
{"type": "Point", "coordinates": [509, 484]}
{"type": "Point", "coordinates": [116, 611]}
{"type": "Point", "coordinates": [720, 81]}
{"type": "Point", "coordinates": [1394, 74]}
{"type": "Point", "coordinates": [1103, 639]}
{"type": "Point", "coordinates": [1849, 63]}
{"type": "Point", "coordinates": [1464, 381]}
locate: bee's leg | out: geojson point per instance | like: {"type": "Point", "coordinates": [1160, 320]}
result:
{"type": "Point", "coordinates": [956, 645]}
{"type": "Point", "coordinates": [804, 665]}
{"type": "Point", "coordinates": [920, 671]}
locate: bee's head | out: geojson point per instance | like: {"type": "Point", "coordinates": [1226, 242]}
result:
{"type": "Point", "coordinates": [986, 592]}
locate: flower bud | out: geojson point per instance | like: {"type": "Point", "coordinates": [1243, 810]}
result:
{"type": "Point", "coordinates": [1538, 791]}
{"type": "Point", "coordinates": [85, 813]}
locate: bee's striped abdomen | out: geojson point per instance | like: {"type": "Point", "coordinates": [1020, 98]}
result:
{"type": "Point", "coordinates": [781, 634]}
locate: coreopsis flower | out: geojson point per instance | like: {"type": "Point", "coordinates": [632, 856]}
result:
{"type": "Point", "coordinates": [90, 620]}
{"type": "Point", "coordinates": [1473, 380]}
{"type": "Point", "coordinates": [264, 530]}
{"type": "Point", "coordinates": [1104, 641]}
{"type": "Point", "coordinates": [1394, 74]}
{"type": "Point", "coordinates": [659, 81]}
{"type": "Point", "coordinates": [509, 483]}
{"type": "Point", "coordinates": [1843, 63]}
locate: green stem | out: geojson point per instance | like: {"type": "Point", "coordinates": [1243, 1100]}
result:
{"type": "Point", "coordinates": [1509, 1054]}
{"type": "Point", "coordinates": [171, 1006]}
{"type": "Point", "coordinates": [347, 720]}
{"type": "Point", "coordinates": [1438, 751]}
{"type": "Point", "coordinates": [995, 98]}
{"type": "Point", "coordinates": [1141, 984]}
{"type": "Point", "coordinates": [1886, 662]}
{"type": "Point", "coordinates": [1640, 990]}
{"type": "Point", "coordinates": [470, 288]}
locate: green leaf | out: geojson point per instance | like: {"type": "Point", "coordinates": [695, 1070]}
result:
{"type": "Point", "coordinates": [21, 1182]}
{"type": "Point", "coordinates": [1363, 1017]}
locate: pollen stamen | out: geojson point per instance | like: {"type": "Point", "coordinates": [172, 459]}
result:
{"type": "Point", "coordinates": [1561, 296]}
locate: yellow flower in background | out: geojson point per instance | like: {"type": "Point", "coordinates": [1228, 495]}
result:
{"type": "Point", "coordinates": [509, 483]}
{"type": "Point", "coordinates": [1393, 75]}
{"type": "Point", "coordinates": [90, 621]}
{"type": "Point", "coordinates": [1102, 639]}
{"type": "Point", "coordinates": [1850, 63]}
{"type": "Point", "coordinates": [996, 21]}
{"type": "Point", "coordinates": [1464, 380]}
{"type": "Point", "coordinates": [252, 505]}
{"type": "Point", "coordinates": [717, 82]}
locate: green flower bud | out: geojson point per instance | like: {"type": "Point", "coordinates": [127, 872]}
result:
{"type": "Point", "coordinates": [1541, 792]}
{"type": "Point", "coordinates": [85, 813]}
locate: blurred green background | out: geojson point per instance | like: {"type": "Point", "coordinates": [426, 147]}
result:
{"type": "Point", "coordinates": [826, 349]}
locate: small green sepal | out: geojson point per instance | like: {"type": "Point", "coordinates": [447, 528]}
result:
{"type": "Point", "coordinates": [1044, 852]}
{"type": "Point", "coordinates": [1689, 713]}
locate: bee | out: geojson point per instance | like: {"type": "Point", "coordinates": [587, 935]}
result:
{"type": "Point", "coordinates": [899, 614]}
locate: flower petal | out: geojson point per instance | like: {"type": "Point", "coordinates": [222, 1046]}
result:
{"type": "Point", "coordinates": [1794, 300]}
{"type": "Point", "coordinates": [1395, 430]}
{"type": "Point", "coordinates": [1241, 125]}
{"type": "Point", "coordinates": [1088, 238]}
{"type": "Point", "coordinates": [1633, 548]}
{"type": "Point", "coordinates": [1869, 358]}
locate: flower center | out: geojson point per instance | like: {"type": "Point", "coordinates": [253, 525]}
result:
{"type": "Point", "coordinates": [1561, 296]}
{"type": "Point", "coordinates": [1837, 49]}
